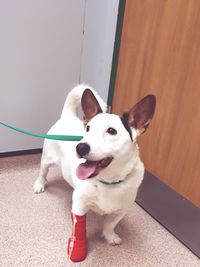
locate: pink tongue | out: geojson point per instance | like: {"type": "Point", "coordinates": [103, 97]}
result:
{"type": "Point", "coordinates": [85, 170]}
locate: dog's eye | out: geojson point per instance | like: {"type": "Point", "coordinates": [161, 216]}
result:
{"type": "Point", "coordinates": [87, 128]}
{"type": "Point", "coordinates": [112, 131]}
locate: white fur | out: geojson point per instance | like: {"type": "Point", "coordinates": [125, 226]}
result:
{"type": "Point", "coordinates": [113, 201]}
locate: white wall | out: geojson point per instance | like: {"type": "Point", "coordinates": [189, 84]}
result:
{"type": "Point", "coordinates": [100, 27]}
{"type": "Point", "coordinates": [40, 55]}
{"type": "Point", "coordinates": [43, 54]}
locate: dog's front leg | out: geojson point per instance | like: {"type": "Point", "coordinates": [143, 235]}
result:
{"type": "Point", "coordinates": [110, 222]}
{"type": "Point", "coordinates": [77, 243]}
{"type": "Point", "coordinates": [39, 185]}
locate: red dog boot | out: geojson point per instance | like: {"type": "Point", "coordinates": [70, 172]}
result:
{"type": "Point", "coordinates": [77, 243]}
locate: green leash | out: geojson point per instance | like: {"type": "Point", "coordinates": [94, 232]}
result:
{"type": "Point", "coordinates": [46, 136]}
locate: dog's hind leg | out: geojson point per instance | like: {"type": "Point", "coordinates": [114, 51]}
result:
{"type": "Point", "coordinates": [111, 220]}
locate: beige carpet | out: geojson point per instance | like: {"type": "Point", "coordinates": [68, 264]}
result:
{"type": "Point", "coordinates": [34, 228]}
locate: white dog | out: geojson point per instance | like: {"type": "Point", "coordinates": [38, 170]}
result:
{"type": "Point", "coordinates": [104, 169]}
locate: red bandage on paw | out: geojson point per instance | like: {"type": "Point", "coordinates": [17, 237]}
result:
{"type": "Point", "coordinates": [77, 243]}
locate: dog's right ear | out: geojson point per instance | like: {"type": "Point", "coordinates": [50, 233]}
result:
{"type": "Point", "coordinates": [89, 105]}
{"type": "Point", "coordinates": [140, 115]}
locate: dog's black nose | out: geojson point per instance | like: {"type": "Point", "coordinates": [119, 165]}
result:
{"type": "Point", "coordinates": [82, 149]}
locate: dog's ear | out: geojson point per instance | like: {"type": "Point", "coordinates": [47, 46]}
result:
{"type": "Point", "coordinates": [141, 114]}
{"type": "Point", "coordinates": [90, 105]}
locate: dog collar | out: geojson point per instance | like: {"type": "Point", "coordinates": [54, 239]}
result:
{"type": "Point", "coordinates": [114, 183]}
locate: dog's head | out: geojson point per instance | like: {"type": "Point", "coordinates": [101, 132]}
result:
{"type": "Point", "coordinates": [109, 139]}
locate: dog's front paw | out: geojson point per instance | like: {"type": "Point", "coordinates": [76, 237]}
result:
{"type": "Point", "coordinates": [112, 238]}
{"type": "Point", "coordinates": [38, 187]}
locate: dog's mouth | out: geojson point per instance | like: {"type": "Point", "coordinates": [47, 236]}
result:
{"type": "Point", "coordinates": [91, 169]}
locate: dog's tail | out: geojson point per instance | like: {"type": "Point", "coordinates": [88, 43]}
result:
{"type": "Point", "coordinates": [74, 100]}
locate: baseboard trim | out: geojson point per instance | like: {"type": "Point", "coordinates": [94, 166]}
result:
{"type": "Point", "coordinates": [20, 152]}
{"type": "Point", "coordinates": [179, 216]}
